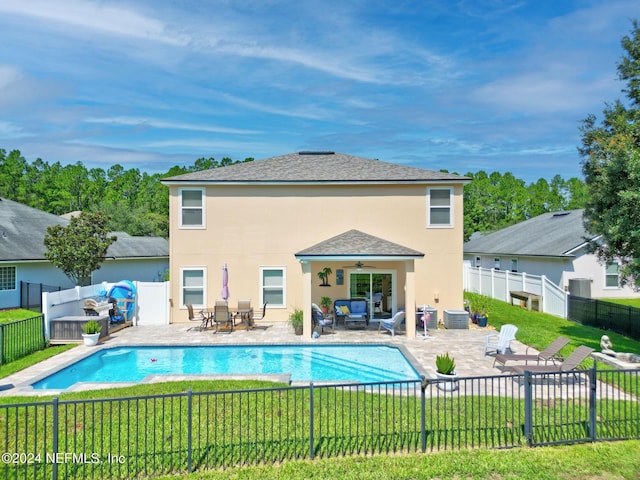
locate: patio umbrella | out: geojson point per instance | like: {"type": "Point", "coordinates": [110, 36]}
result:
{"type": "Point", "coordinates": [225, 283]}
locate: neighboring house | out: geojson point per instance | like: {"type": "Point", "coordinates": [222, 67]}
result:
{"type": "Point", "coordinates": [381, 228]}
{"type": "Point", "coordinates": [551, 244]}
{"type": "Point", "coordinates": [22, 232]}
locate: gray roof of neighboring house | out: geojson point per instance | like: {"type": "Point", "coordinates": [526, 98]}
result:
{"type": "Point", "coordinates": [23, 228]}
{"type": "Point", "coordinates": [316, 167]}
{"type": "Point", "coordinates": [355, 243]}
{"type": "Point", "coordinates": [555, 234]}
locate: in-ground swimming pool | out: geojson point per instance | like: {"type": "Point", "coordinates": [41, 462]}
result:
{"type": "Point", "coordinates": [317, 363]}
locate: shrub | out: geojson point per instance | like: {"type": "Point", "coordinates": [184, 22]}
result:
{"type": "Point", "coordinates": [91, 327]}
{"type": "Point", "coordinates": [296, 318]}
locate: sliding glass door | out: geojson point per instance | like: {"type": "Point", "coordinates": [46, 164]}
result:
{"type": "Point", "coordinates": [377, 288]}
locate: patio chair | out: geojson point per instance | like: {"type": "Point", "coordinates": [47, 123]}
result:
{"type": "Point", "coordinates": [319, 319]}
{"type": "Point", "coordinates": [202, 319]}
{"type": "Point", "coordinates": [244, 311]}
{"type": "Point", "coordinates": [501, 342]}
{"type": "Point", "coordinates": [570, 363]}
{"type": "Point", "coordinates": [392, 324]}
{"type": "Point", "coordinates": [259, 315]}
{"type": "Point", "coordinates": [548, 354]}
{"type": "Point", "coordinates": [222, 316]}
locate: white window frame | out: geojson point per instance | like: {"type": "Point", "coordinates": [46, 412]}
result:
{"type": "Point", "coordinates": [607, 275]}
{"type": "Point", "coordinates": [204, 285]}
{"type": "Point", "coordinates": [202, 207]}
{"type": "Point", "coordinates": [496, 263]}
{"type": "Point", "coordinates": [513, 265]}
{"type": "Point", "coordinates": [5, 274]}
{"type": "Point", "coordinates": [283, 269]}
{"type": "Point", "coordinates": [478, 262]}
{"type": "Point", "coordinates": [449, 207]}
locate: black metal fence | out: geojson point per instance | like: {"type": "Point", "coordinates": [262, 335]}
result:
{"type": "Point", "coordinates": [163, 434]}
{"type": "Point", "coordinates": [31, 294]}
{"type": "Point", "coordinates": [606, 315]}
{"type": "Point", "coordinates": [20, 338]}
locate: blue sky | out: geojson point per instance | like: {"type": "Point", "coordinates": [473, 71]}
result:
{"type": "Point", "coordinates": [458, 85]}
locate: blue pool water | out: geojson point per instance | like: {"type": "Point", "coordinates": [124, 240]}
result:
{"type": "Point", "coordinates": [318, 363]}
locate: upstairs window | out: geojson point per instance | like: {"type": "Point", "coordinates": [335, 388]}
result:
{"type": "Point", "coordinates": [192, 208]}
{"type": "Point", "coordinates": [514, 265]}
{"type": "Point", "coordinates": [612, 275]}
{"type": "Point", "coordinates": [440, 206]}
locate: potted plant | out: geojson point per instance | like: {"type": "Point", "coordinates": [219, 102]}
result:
{"type": "Point", "coordinates": [446, 370]}
{"type": "Point", "coordinates": [325, 304]}
{"type": "Point", "coordinates": [483, 306]}
{"type": "Point", "coordinates": [295, 318]}
{"type": "Point", "coordinates": [91, 332]}
{"type": "Point", "coordinates": [323, 275]}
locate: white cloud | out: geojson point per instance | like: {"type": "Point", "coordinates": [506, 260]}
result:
{"type": "Point", "coordinates": [135, 121]}
{"type": "Point", "coordinates": [9, 130]}
{"type": "Point", "coordinates": [96, 16]}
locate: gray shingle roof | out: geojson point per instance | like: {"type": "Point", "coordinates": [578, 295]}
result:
{"type": "Point", "coordinates": [357, 243]}
{"type": "Point", "coordinates": [128, 246]}
{"type": "Point", "coordinates": [316, 167]}
{"type": "Point", "coordinates": [22, 232]}
{"type": "Point", "coordinates": [550, 234]}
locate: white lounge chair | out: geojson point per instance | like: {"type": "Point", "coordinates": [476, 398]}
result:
{"type": "Point", "coordinates": [501, 342]}
{"type": "Point", "coordinates": [392, 324]}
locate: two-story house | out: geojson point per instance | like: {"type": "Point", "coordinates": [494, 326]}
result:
{"type": "Point", "coordinates": [381, 228]}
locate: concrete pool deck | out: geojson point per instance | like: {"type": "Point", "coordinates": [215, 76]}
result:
{"type": "Point", "coordinates": [465, 346]}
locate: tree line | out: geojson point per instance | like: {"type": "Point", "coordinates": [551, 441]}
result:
{"type": "Point", "coordinates": [494, 201]}
{"type": "Point", "coordinates": [137, 203]}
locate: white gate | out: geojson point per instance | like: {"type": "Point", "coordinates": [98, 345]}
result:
{"type": "Point", "coordinates": [153, 303]}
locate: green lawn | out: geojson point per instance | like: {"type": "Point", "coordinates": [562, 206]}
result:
{"type": "Point", "coordinates": [630, 302]}
{"type": "Point", "coordinates": [611, 461]}
{"type": "Point", "coordinates": [7, 316]}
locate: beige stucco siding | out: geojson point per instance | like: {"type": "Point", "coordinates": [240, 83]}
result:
{"type": "Point", "coordinates": [248, 226]}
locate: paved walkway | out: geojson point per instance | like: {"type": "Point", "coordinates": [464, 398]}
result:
{"type": "Point", "coordinates": [465, 346]}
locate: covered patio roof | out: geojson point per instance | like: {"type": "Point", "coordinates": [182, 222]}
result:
{"type": "Point", "coordinates": [356, 245]}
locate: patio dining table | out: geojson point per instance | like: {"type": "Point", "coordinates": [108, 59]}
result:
{"type": "Point", "coordinates": [245, 315]}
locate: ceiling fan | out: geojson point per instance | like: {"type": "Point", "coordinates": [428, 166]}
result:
{"type": "Point", "coordinates": [359, 265]}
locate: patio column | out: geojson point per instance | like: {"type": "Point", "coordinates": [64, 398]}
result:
{"type": "Point", "coordinates": [410, 300]}
{"type": "Point", "coordinates": [307, 324]}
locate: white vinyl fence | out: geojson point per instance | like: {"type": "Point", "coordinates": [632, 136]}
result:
{"type": "Point", "coordinates": [151, 308]}
{"type": "Point", "coordinates": [498, 283]}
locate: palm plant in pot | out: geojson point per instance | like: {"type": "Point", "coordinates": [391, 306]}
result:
{"type": "Point", "coordinates": [325, 304]}
{"type": "Point", "coordinates": [91, 332]}
{"type": "Point", "coordinates": [446, 370]}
